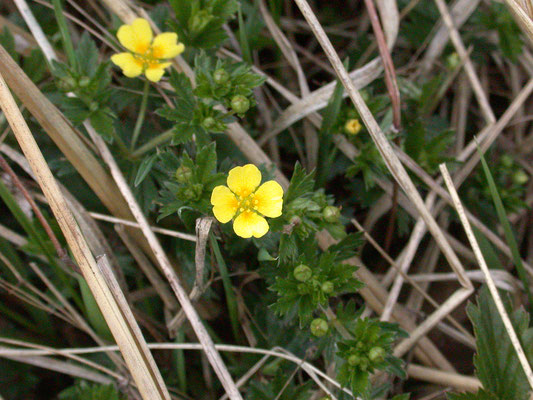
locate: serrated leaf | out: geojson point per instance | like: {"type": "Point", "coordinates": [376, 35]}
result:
{"type": "Point", "coordinates": [102, 122]}
{"type": "Point", "coordinates": [206, 163]}
{"type": "Point", "coordinates": [86, 55]}
{"type": "Point", "coordinates": [75, 109]}
{"type": "Point", "coordinates": [496, 362]}
{"type": "Point", "coordinates": [144, 169]}
{"type": "Point", "coordinates": [347, 247]}
{"type": "Point", "coordinates": [301, 183]}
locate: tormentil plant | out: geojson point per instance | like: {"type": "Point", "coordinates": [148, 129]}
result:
{"type": "Point", "coordinates": [145, 54]}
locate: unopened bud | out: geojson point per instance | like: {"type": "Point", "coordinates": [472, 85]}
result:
{"type": "Point", "coordinates": [240, 104]}
{"type": "Point", "coordinates": [220, 76]}
{"type": "Point", "coordinates": [376, 354]}
{"type": "Point", "coordinates": [520, 177]}
{"type": "Point", "coordinates": [319, 327]}
{"type": "Point", "coordinates": [331, 214]}
{"type": "Point", "coordinates": [327, 287]}
{"type": "Point", "coordinates": [302, 273]}
{"type": "Point", "coordinates": [84, 81]}
{"type": "Point", "coordinates": [183, 174]}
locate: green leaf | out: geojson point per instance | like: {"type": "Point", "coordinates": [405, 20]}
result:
{"type": "Point", "coordinates": [243, 39]}
{"type": "Point", "coordinates": [347, 247]}
{"type": "Point", "coordinates": [206, 163]}
{"type": "Point", "coordinates": [480, 395]}
{"type": "Point", "coordinates": [75, 110]}
{"type": "Point", "coordinates": [102, 122]}
{"type": "Point", "coordinates": [496, 362]}
{"type": "Point", "coordinates": [92, 312]}
{"type": "Point", "coordinates": [87, 55]}
{"type": "Point", "coordinates": [8, 42]}
{"type": "Point", "coordinates": [405, 396]}
{"type": "Point", "coordinates": [87, 391]}
{"type": "Point", "coordinates": [144, 169]}
{"type": "Point", "coordinates": [301, 183]}
{"type": "Point", "coordinates": [509, 236]}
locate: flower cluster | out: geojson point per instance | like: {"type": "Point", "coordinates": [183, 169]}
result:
{"type": "Point", "coordinates": [145, 53]}
{"type": "Point", "coordinates": [247, 202]}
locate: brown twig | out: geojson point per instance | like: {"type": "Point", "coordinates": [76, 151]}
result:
{"type": "Point", "coordinates": [394, 94]}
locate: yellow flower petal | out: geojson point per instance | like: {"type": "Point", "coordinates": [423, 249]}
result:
{"type": "Point", "coordinates": [249, 224]}
{"type": "Point", "coordinates": [136, 37]}
{"type": "Point", "coordinates": [166, 45]}
{"type": "Point", "coordinates": [131, 67]}
{"type": "Point", "coordinates": [244, 180]}
{"type": "Point", "coordinates": [155, 71]}
{"type": "Point", "coordinates": [269, 197]}
{"type": "Point", "coordinates": [224, 203]}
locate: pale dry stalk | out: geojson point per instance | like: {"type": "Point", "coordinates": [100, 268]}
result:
{"type": "Point", "coordinates": [490, 281]}
{"type": "Point", "coordinates": [146, 376]}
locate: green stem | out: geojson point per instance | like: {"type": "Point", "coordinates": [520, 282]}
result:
{"type": "Point", "coordinates": [228, 289]}
{"type": "Point", "coordinates": [142, 113]}
{"type": "Point", "coordinates": [65, 35]}
{"type": "Point", "coordinates": [162, 138]}
{"type": "Point", "coordinates": [180, 362]}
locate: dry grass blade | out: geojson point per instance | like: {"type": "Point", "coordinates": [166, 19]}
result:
{"type": "Point", "coordinates": [143, 376]}
{"type": "Point", "coordinates": [63, 367]}
{"type": "Point", "coordinates": [523, 17]}
{"type": "Point", "coordinates": [490, 281]}
{"type": "Point", "coordinates": [203, 336]}
{"type": "Point", "coordinates": [384, 147]}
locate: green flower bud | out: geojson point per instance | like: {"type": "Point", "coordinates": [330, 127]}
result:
{"type": "Point", "coordinates": [331, 214]}
{"type": "Point", "coordinates": [354, 360]}
{"type": "Point", "coordinates": [84, 81]}
{"type": "Point", "coordinates": [66, 84]}
{"type": "Point", "coordinates": [520, 177]}
{"type": "Point", "coordinates": [319, 327]}
{"type": "Point", "coordinates": [302, 288]}
{"type": "Point", "coordinates": [220, 76]}
{"type": "Point", "coordinates": [506, 160]}
{"type": "Point", "coordinates": [209, 123]}
{"type": "Point", "coordinates": [93, 106]}
{"type": "Point", "coordinates": [327, 287]}
{"type": "Point", "coordinates": [183, 174]}
{"type": "Point", "coordinates": [193, 191]}
{"type": "Point", "coordinates": [302, 273]}
{"type": "Point", "coordinates": [240, 104]}
{"type": "Point", "coordinates": [453, 61]}
{"type": "Point", "coordinates": [363, 363]}
{"type": "Point", "coordinates": [376, 354]}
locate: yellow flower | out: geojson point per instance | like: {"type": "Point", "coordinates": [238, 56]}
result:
{"type": "Point", "coordinates": [352, 126]}
{"type": "Point", "coordinates": [144, 54]}
{"type": "Point", "coordinates": [248, 202]}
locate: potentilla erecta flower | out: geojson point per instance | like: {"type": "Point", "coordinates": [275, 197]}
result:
{"type": "Point", "coordinates": [246, 202]}
{"type": "Point", "coordinates": [145, 53]}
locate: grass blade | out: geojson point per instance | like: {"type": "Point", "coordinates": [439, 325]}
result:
{"type": "Point", "coordinates": [509, 236]}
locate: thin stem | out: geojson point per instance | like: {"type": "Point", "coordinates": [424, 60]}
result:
{"type": "Point", "coordinates": [65, 35]}
{"type": "Point", "coordinates": [228, 289]}
{"type": "Point", "coordinates": [162, 138]}
{"type": "Point", "coordinates": [142, 113]}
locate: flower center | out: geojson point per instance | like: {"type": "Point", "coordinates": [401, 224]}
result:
{"type": "Point", "coordinates": [246, 202]}
{"type": "Point", "coordinates": [147, 56]}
